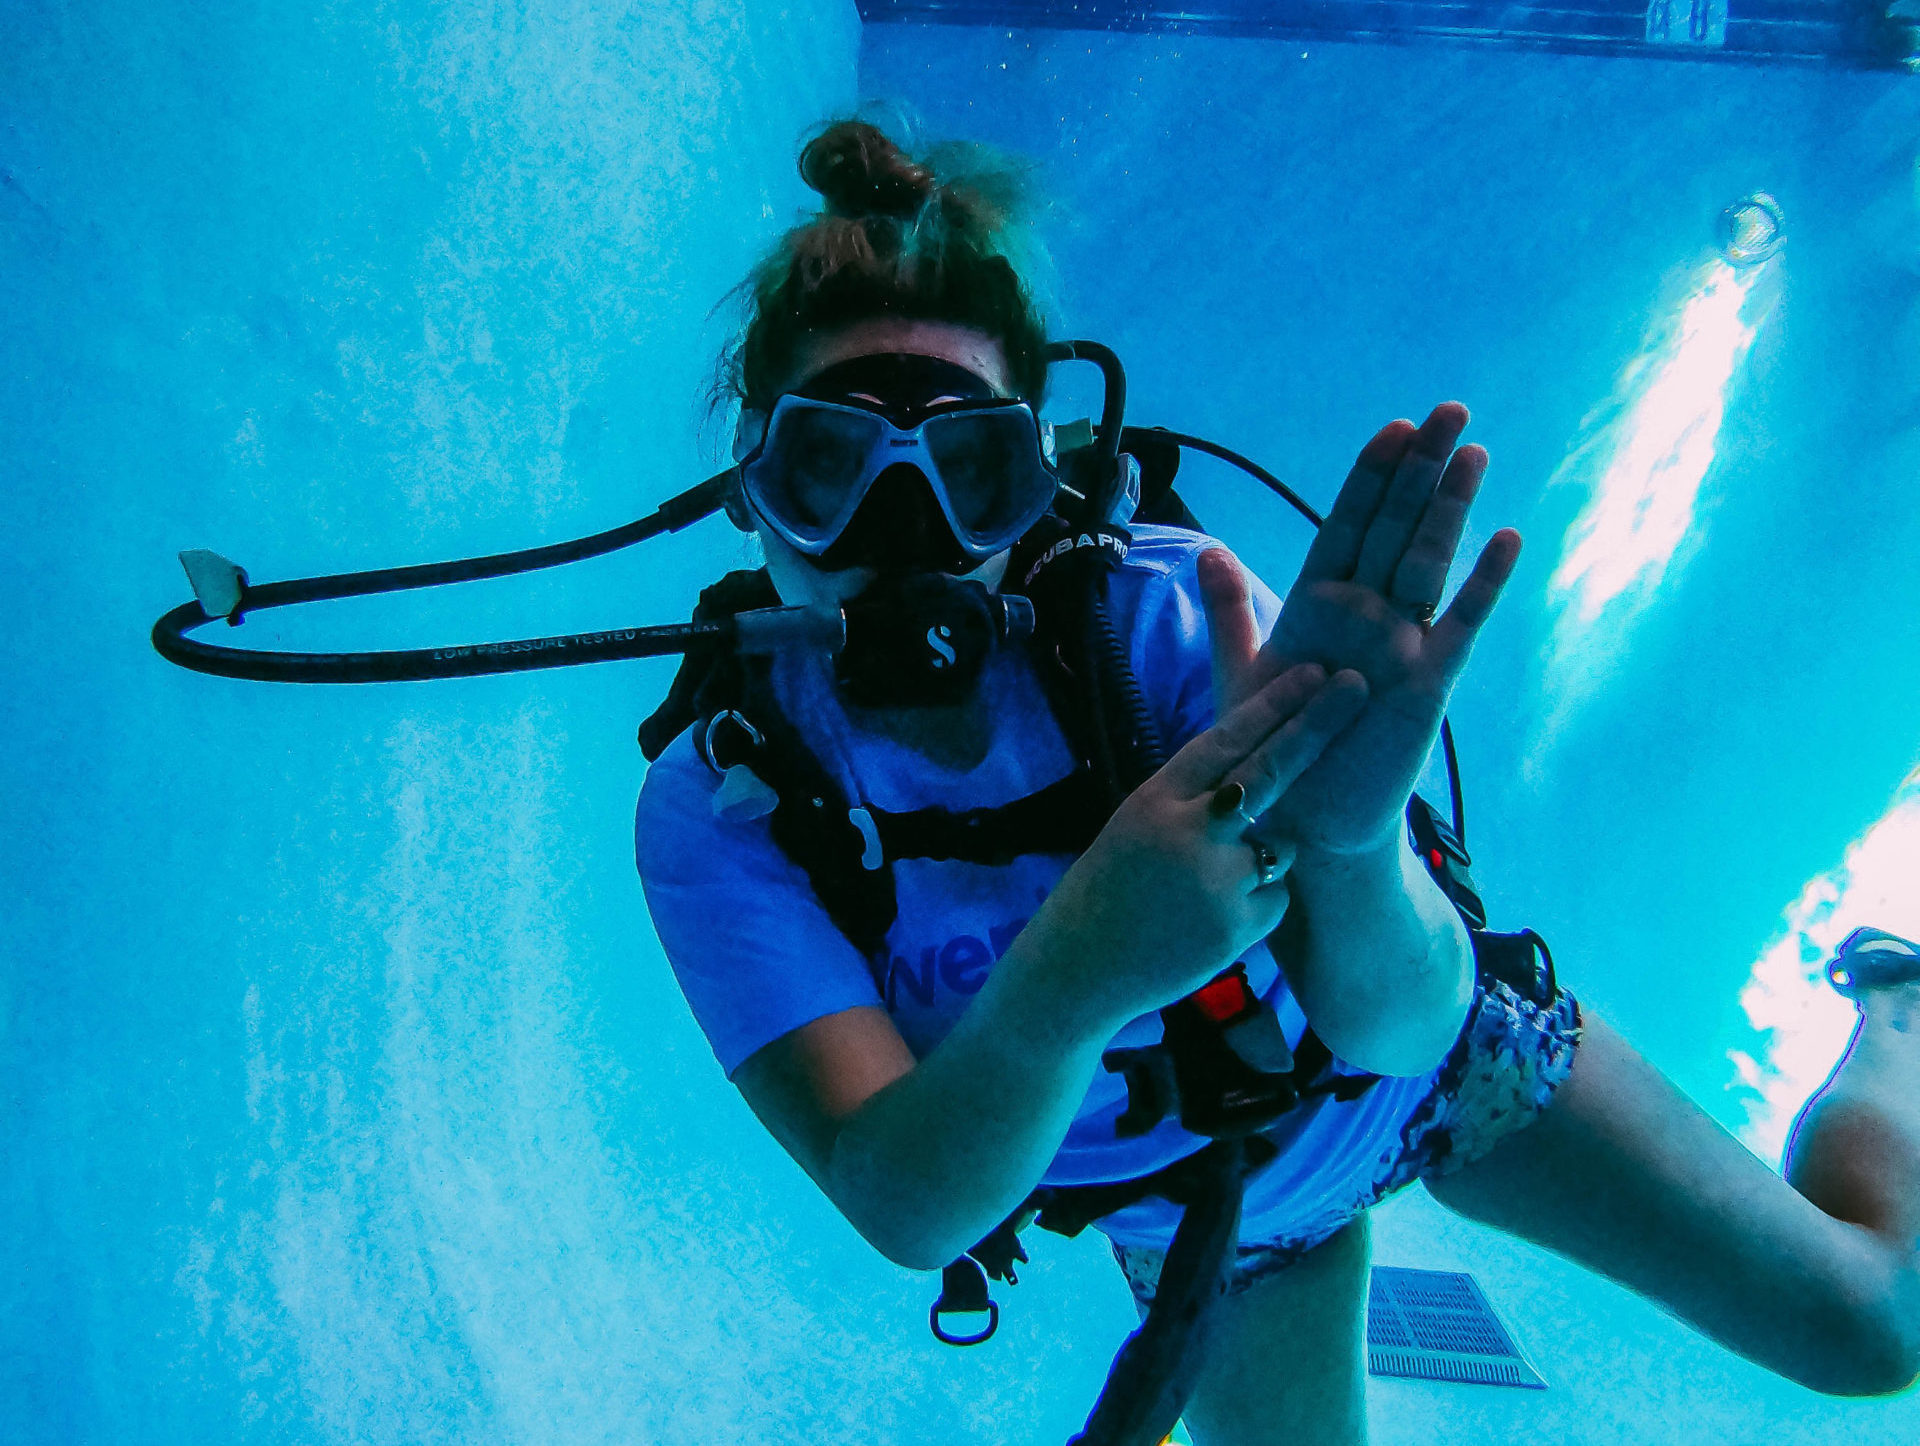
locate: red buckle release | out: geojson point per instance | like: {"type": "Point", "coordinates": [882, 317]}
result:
{"type": "Point", "coordinates": [1223, 998]}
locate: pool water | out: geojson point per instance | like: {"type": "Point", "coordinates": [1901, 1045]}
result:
{"type": "Point", "coordinates": [347, 1095]}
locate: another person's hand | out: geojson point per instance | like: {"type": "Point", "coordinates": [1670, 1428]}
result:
{"type": "Point", "coordinates": [1169, 893]}
{"type": "Point", "coordinates": [1363, 600]}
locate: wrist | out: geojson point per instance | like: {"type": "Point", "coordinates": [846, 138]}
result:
{"type": "Point", "coordinates": [1377, 864]}
{"type": "Point", "coordinates": [1382, 967]}
{"type": "Point", "coordinates": [1057, 966]}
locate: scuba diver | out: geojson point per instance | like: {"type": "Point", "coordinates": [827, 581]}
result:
{"type": "Point", "coordinates": [920, 1014]}
{"type": "Point", "coordinates": [1025, 861]}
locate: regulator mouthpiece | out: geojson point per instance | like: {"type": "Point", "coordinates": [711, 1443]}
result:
{"type": "Point", "coordinates": [923, 639]}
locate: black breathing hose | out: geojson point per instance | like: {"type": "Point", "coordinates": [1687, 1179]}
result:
{"type": "Point", "coordinates": [1153, 1376]}
{"type": "Point", "coordinates": [1104, 655]}
{"type": "Point", "coordinates": [240, 597]}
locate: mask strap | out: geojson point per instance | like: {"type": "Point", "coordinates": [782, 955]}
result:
{"type": "Point", "coordinates": [749, 432]}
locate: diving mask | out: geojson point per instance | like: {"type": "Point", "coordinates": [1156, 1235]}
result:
{"type": "Point", "coordinates": [987, 462]}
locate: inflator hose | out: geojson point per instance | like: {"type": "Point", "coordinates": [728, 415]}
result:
{"type": "Point", "coordinates": [1149, 754]}
{"type": "Point", "coordinates": [1154, 1372]}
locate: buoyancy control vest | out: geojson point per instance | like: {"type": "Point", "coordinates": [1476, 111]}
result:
{"type": "Point", "coordinates": [1224, 1067]}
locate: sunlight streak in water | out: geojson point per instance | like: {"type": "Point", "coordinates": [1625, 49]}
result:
{"type": "Point", "coordinates": [1642, 456]}
{"type": "Point", "coordinates": [1787, 995]}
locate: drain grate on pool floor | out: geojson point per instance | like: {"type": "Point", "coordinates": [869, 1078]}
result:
{"type": "Point", "coordinates": [1437, 1326]}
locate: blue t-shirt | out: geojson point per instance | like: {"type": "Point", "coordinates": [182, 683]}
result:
{"type": "Point", "coordinates": [757, 956]}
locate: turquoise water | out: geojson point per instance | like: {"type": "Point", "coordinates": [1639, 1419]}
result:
{"type": "Point", "coordinates": [346, 1094]}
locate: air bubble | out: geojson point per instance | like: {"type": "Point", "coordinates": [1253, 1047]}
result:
{"type": "Point", "coordinates": [1752, 229]}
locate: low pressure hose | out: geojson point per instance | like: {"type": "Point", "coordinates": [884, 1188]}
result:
{"type": "Point", "coordinates": [1143, 744]}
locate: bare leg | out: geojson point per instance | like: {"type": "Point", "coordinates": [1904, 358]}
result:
{"type": "Point", "coordinates": [1627, 1176]}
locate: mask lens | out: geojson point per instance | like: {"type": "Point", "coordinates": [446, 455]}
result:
{"type": "Point", "coordinates": [814, 456]}
{"type": "Point", "coordinates": [990, 463]}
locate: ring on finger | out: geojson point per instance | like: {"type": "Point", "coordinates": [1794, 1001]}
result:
{"type": "Point", "coordinates": [1229, 801]}
{"type": "Point", "coordinates": [1420, 612]}
{"type": "Point", "coordinates": [1266, 863]}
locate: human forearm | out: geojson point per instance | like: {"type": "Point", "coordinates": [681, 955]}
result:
{"type": "Point", "coordinates": [1159, 902]}
{"type": "Point", "coordinates": [928, 1165]}
{"type": "Point", "coordinates": [1377, 957]}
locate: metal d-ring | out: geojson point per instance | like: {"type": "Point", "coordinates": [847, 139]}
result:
{"type": "Point", "coordinates": [754, 740]}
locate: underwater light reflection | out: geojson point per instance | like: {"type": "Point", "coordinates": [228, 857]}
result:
{"type": "Point", "coordinates": [1643, 455]}
{"type": "Point", "coordinates": [1786, 995]}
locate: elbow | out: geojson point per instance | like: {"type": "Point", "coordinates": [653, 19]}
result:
{"type": "Point", "coordinates": [912, 1258]}
{"type": "Point", "coordinates": [1409, 1032]}
{"type": "Point", "coordinates": [1388, 989]}
{"type": "Point", "coordinates": [894, 1216]}
{"type": "Point", "coordinates": [1405, 1046]}
{"type": "Point", "coordinates": [908, 1249]}
{"type": "Point", "coordinates": [905, 1238]}
{"type": "Point", "coordinates": [1418, 1036]}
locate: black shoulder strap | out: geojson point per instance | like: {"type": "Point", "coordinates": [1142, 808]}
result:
{"type": "Point", "coordinates": [709, 671]}
{"type": "Point", "coordinates": [847, 850]}
{"type": "Point", "coordinates": [812, 822]}
{"type": "Point", "coordinates": [1521, 961]}
{"type": "Point", "coordinates": [1063, 818]}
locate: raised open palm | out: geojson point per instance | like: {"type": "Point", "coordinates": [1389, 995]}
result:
{"type": "Point", "coordinates": [1365, 593]}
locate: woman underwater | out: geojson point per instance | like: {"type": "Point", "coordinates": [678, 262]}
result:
{"type": "Point", "coordinates": [930, 1079]}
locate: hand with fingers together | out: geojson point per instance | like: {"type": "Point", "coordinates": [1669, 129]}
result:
{"type": "Point", "coordinates": [1365, 600]}
{"type": "Point", "coordinates": [1173, 889]}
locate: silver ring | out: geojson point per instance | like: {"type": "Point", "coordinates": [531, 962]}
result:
{"type": "Point", "coordinates": [1229, 801]}
{"type": "Point", "coordinates": [1266, 863]}
{"type": "Point", "coordinates": [1421, 613]}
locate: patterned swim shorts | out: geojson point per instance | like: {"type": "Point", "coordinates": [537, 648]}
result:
{"type": "Point", "coordinates": [1509, 1059]}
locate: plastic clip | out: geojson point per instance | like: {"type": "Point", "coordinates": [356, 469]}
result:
{"type": "Point", "coordinates": [743, 795]}
{"type": "Point", "coordinates": [1153, 1090]}
{"type": "Point", "coordinates": [872, 856]}
{"type": "Point", "coordinates": [218, 585]}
